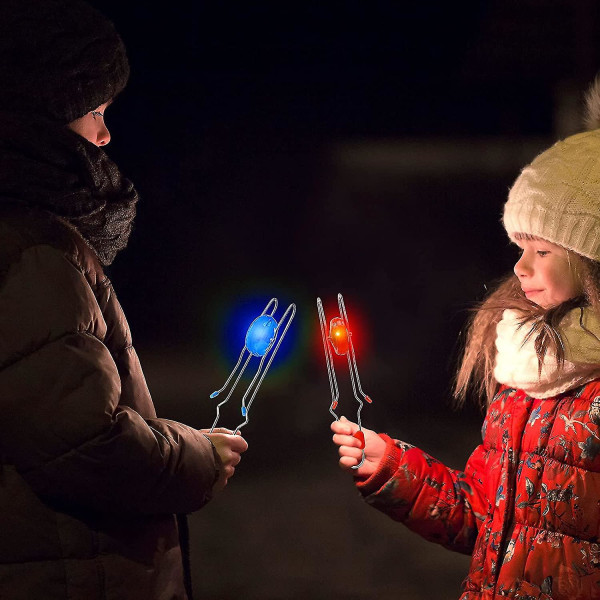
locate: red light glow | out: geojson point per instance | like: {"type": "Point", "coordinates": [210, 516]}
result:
{"type": "Point", "coordinates": [358, 329]}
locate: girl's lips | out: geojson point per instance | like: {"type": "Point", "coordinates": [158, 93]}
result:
{"type": "Point", "coordinates": [526, 292]}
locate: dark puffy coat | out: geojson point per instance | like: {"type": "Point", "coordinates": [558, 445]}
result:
{"type": "Point", "coordinates": [90, 478]}
{"type": "Point", "coordinates": [527, 506]}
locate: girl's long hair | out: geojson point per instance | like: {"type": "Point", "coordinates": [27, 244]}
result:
{"type": "Point", "coordinates": [476, 369]}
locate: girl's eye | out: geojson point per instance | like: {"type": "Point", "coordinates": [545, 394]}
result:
{"type": "Point", "coordinates": [96, 113]}
{"type": "Point", "coordinates": [543, 252]}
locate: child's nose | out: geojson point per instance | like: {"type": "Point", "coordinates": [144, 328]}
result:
{"type": "Point", "coordinates": [523, 267]}
{"type": "Point", "coordinates": [103, 136]}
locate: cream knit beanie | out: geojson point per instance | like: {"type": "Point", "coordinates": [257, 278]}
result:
{"type": "Point", "coordinates": [557, 196]}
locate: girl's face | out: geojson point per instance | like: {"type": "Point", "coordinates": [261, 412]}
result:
{"type": "Point", "coordinates": [547, 272]}
{"type": "Point", "coordinates": [92, 127]}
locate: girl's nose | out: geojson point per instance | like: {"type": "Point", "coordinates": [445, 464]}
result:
{"type": "Point", "coordinates": [103, 136]}
{"type": "Point", "coordinates": [522, 267]}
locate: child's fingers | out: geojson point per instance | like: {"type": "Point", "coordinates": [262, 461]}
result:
{"type": "Point", "coordinates": [347, 462]}
{"type": "Point", "coordinates": [345, 440]}
{"type": "Point", "coordinates": [239, 444]}
{"type": "Point", "coordinates": [344, 426]}
{"type": "Point", "coordinates": [349, 452]}
{"type": "Point", "coordinates": [338, 427]}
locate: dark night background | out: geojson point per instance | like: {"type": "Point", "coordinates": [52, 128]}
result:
{"type": "Point", "coordinates": [301, 149]}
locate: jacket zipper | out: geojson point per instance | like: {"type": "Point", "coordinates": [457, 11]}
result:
{"type": "Point", "coordinates": [509, 516]}
{"type": "Point", "coordinates": [509, 512]}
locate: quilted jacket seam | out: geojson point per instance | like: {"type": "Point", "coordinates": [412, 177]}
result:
{"type": "Point", "coordinates": [49, 340]}
{"type": "Point", "coordinates": [577, 538]}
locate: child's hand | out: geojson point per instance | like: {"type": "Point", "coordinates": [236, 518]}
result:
{"type": "Point", "coordinates": [350, 452]}
{"type": "Point", "coordinates": [229, 447]}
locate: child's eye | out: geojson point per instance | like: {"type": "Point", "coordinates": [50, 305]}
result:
{"type": "Point", "coordinates": [543, 252]}
{"type": "Point", "coordinates": [96, 113]}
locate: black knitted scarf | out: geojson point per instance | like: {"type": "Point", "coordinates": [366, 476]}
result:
{"type": "Point", "coordinates": [48, 166]}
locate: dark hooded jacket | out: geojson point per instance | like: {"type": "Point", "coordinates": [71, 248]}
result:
{"type": "Point", "coordinates": [90, 478]}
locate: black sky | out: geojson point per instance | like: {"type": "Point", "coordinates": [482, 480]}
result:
{"type": "Point", "coordinates": [227, 128]}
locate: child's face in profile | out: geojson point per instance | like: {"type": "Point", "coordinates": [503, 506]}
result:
{"type": "Point", "coordinates": [92, 127]}
{"type": "Point", "coordinates": [547, 272]}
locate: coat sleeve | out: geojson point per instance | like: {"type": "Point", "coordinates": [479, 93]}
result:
{"type": "Point", "coordinates": [441, 504]}
{"type": "Point", "coordinates": [63, 424]}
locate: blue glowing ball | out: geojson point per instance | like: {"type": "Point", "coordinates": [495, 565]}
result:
{"type": "Point", "coordinates": [261, 335]}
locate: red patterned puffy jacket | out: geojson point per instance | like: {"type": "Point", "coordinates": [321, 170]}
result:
{"type": "Point", "coordinates": [527, 505]}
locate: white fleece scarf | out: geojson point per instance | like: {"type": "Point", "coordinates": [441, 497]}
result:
{"type": "Point", "coordinates": [517, 362]}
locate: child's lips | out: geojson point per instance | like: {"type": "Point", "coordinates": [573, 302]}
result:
{"type": "Point", "coordinates": [528, 292]}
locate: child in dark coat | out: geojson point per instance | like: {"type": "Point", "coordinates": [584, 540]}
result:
{"type": "Point", "coordinates": [94, 487]}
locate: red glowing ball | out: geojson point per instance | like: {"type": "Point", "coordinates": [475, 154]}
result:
{"type": "Point", "coordinates": [339, 336]}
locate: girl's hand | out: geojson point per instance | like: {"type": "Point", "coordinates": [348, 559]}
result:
{"type": "Point", "coordinates": [350, 452]}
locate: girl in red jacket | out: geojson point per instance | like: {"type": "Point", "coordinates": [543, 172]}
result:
{"type": "Point", "coordinates": [527, 505]}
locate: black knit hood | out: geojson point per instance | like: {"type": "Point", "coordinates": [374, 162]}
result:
{"type": "Point", "coordinates": [58, 58]}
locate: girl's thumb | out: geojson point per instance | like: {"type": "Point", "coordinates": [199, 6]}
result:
{"type": "Point", "coordinates": [344, 420]}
